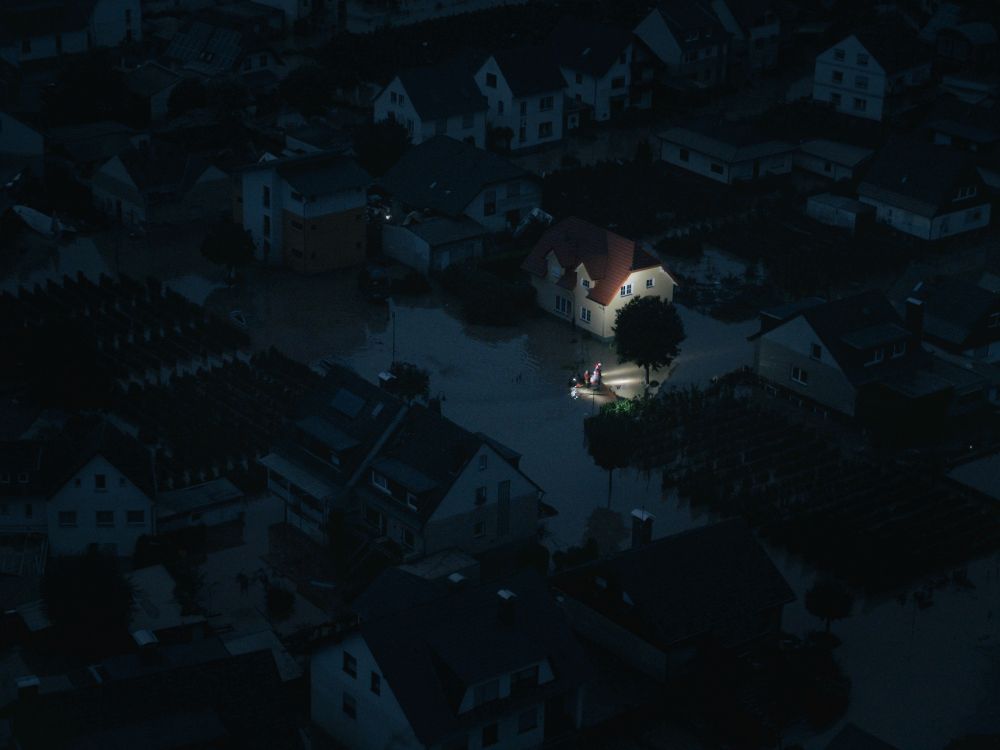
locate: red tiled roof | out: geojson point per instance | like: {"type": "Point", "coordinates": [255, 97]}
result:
{"type": "Point", "coordinates": [607, 257]}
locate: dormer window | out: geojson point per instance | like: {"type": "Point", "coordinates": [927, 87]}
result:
{"type": "Point", "coordinates": [411, 501]}
{"type": "Point", "coordinates": [379, 481]}
{"type": "Point", "coordinates": [898, 349]}
{"type": "Point", "coordinates": [969, 191]}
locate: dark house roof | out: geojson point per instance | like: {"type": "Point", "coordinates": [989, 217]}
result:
{"type": "Point", "coordinates": [160, 168]}
{"type": "Point", "coordinates": [529, 71]}
{"type": "Point", "coordinates": [426, 455]}
{"type": "Point", "coordinates": [729, 141]}
{"type": "Point", "coordinates": [692, 23]}
{"type": "Point", "coordinates": [587, 46]}
{"type": "Point", "coordinates": [346, 418]}
{"type": "Point", "coordinates": [706, 582]}
{"type": "Point", "coordinates": [974, 123]}
{"type": "Point", "coordinates": [323, 174]}
{"type": "Point", "coordinates": [851, 737]}
{"type": "Point", "coordinates": [608, 258]}
{"type": "Point", "coordinates": [150, 78]}
{"type": "Point", "coordinates": [444, 90]}
{"type": "Point", "coordinates": [445, 175]}
{"type": "Point", "coordinates": [956, 313]}
{"type": "Point", "coordinates": [52, 462]}
{"type": "Point", "coordinates": [751, 13]}
{"type": "Point", "coordinates": [433, 642]}
{"type": "Point", "coordinates": [207, 693]}
{"type": "Point", "coordinates": [894, 46]}
{"type": "Point", "coordinates": [921, 178]}
{"type": "Point", "coordinates": [850, 329]}
{"type": "Point", "coordinates": [20, 19]}
{"type": "Point", "coordinates": [210, 47]}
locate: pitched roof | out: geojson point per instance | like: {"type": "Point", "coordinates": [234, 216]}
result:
{"type": "Point", "coordinates": [443, 90]}
{"type": "Point", "coordinates": [607, 257]}
{"type": "Point", "coordinates": [972, 122]}
{"type": "Point", "coordinates": [850, 327]}
{"type": "Point", "coordinates": [587, 46]}
{"type": "Point", "coordinates": [33, 18]}
{"type": "Point", "coordinates": [529, 71]}
{"type": "Point", "coordinates": [852, 737]}
{"type": "Point", "coordinates": [839, 153]}
{"type": "Point", "coordinates": [919, 177]}
{"type": "Point", "coordinates": [445, 175]}
{"type": "Point", "coordinates": [443, 230]}
{"type": "Point", "coordinates": [50, 463]}
{"type": "Point", "coordinates": [322, 174]}
{"type": "Point", "coordinates": [894, 46]}
{"type": "Point", "coordinates": [712, 580]}
{"type": "Point", "coordinates": [729, 141]}
{"type": "Point", "coordinates": [685, 18]}
{"type": "Point", "coordinates": [426, 455]}
{"type": "Point", "coordinates": [211, 47]}
{"type": "Point", "coordinates": [160, 167]}
{"type": "Point", "coordinates": [432, 642]}
{"type": "Point", "coordinates": [150, 78]}
{"type": "Point", "coordinates": [750, 13]}
{"type": "Point", "coordinates": [954, 309]}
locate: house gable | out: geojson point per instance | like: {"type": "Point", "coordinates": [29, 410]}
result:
{"type": "Point", "coordinates": [461, 498]}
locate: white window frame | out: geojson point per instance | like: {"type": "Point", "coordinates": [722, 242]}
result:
{"type": "Point", "coordinates": [800, 376]}
{"type": "Point", "coordinates": [650, 283]}
{"type": "Point", "coordinates": [877, 356]}
{"type": "Point", "coordinates": [381, 482]}
{"type": "Point", "coordinates": [585, 314]}
{"type": "Point", "coordinates": [626, 290]}
{"type": "Point", "coordinates": [898, 349]}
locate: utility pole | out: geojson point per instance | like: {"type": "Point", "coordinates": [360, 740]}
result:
{"type": "Point", "coordinates": [393, 313]}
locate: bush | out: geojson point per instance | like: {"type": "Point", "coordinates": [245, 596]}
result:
{"type": "Point", "coordinates": [682, 246]}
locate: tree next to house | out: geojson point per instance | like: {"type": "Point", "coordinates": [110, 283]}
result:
{"type": "Point", "coordinates": [411, 382]}
{"type": "Point", "coordinates": [829, 600]}
{"type": "Point", "coordinates": [648, 332]}
{"type": "Point", "coordinates": [610, 440]}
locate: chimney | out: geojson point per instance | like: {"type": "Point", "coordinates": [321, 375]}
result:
{"type": "Point", "coordinates": [27, 687]}
{"type": "Point", "coordinates": [642, 528]}
{"type": "Point", "coordinates": [147, 643]}
{"type": "Point", "coordinates": [915, 316]}
{"type": "Point", "coordinates": [507, 603]}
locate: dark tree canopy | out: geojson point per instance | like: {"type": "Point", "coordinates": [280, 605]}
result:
{"type": "Point", "coordinates": [88, 599]}
{"type": "Point", "coordinates": [379, 145]}
{"type": "Point", "coordinates": [829, 600]}
{"type": "Point", "coordinates": [610, 440]}
{"type": "Point", "coordinates": [89, 90]}
{"type": "Point", "coordinates": [411, 381]}
{"type": "Point", "coordinates": [307, 88]}
{"type": "Point", "coordinates": [228, 245]}
{"type": "Point", "coordinates": [648, 332]}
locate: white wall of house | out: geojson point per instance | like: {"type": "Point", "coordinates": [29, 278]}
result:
{"type": "Point", "coordinates": [394, 103]}
{"type": "Point", "coordinates": [400, 243]}
{"type": "Point", "coordinates": [455, 522]}
{"type": "Point", "coordinates": [379, 721]}
{"type": "Point", "coordinates": [293, 9]}
{"type": "Point", "coordinates": [45, 47]}
{"type": "Point", "coordinates": [264, 222]}
{"type": "Point", "coordinates": [600, 91]}
{"type": "Point", "coordinates": [83, 496]}
{"type": "Point", "coordinates": [22, 514]}
{"type": "Point", "coordinates": [587, 314]}
{"type": "Point", "coordinates": [497, 204]}
{"type": "Point", "coordinates": [928, 228]}
{"type": "Point", "coordinates": [533, 120]}
{"type": "Point", "coordinates": [655, 33]}
{"type": "Point", "coordinates": [789, 346]}
{"type": "Point", "coordinates": [114, 22]}
{"type": "Point", "coordinates": [823, 167]}
{"type": "Point", "coordinates": [848, 77]}
{"type": "Point", "coordinates": [720, 170]}
{"type": "Point", "coordinates": [116, 194]}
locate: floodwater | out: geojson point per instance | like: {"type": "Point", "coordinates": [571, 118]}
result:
{"type": "Point", "coordinates": [43, 260]}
